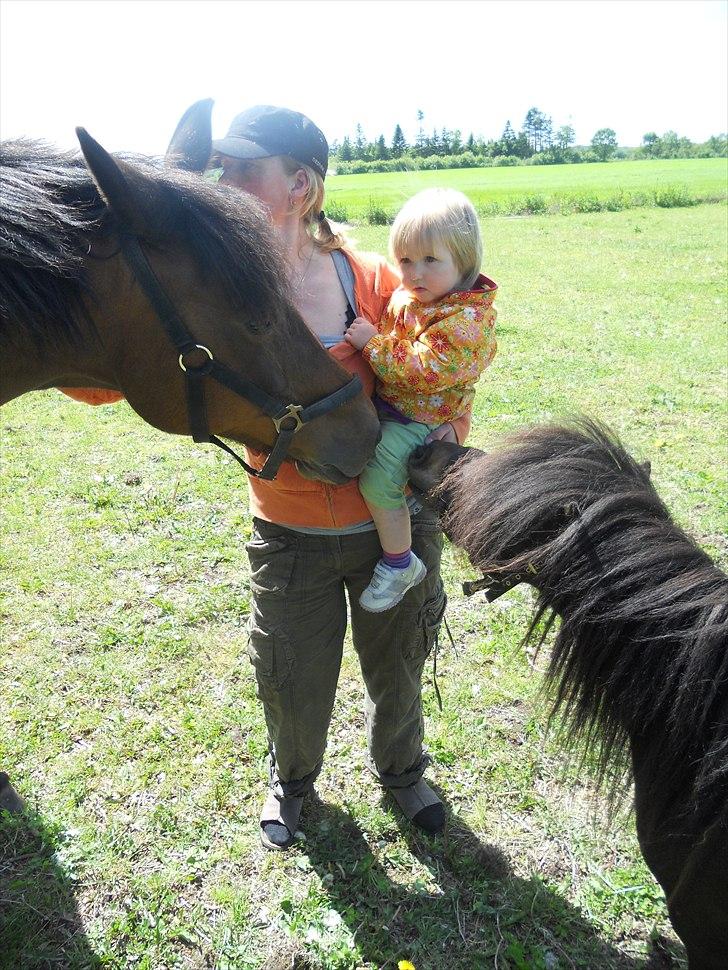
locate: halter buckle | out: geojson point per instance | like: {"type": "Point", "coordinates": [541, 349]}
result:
{"type": "Point", "coordinates": [206, 364]}
{"type": "Point", "coordinates": [292, 411]}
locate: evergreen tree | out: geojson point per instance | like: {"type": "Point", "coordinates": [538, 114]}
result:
{"type": "Point", "coordinates": [380, 148]}
{"type": "Point", "coordinates": [420, 141]}
{"type": "Point", "coordinates": [508, 140]}
{"type": "Point", "coordinates": [536, 127]}
{"type": "Point", "coordinates": [345, 152]}
{"type": "Point", "coordinates": [360, 143]}
{"type": "Point", "coordinates": [522, 148]}
{"type": "Point", "coordinates": [399, 143]}
{"type": "Point", "coordinates": [547, 134]}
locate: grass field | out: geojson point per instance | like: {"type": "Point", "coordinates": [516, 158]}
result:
{"type": "Point", "coordinates": [129, 716]}
{"type": "Point", "coordinates": [585, 188]}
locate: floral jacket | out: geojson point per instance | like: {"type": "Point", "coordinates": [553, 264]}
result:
{"type": "Point", "coordinates": [428, 357]}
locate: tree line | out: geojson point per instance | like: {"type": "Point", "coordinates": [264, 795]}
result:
{"type": "Point", "coordinates": [537, 142]}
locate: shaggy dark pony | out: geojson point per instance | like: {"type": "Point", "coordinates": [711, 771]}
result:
{"type": "Point", "coordinates": [639, 663]}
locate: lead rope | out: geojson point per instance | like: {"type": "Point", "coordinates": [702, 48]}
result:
{"type": "Point", "coordinates": [438, 695]}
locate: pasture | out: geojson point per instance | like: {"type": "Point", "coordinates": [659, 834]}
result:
{"type": "Point", "coordinates": [129, 716]}
{"type": "Point", "coordinates": [532, 188]}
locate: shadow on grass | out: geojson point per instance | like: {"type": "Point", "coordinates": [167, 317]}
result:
{"type": "Point", "coordinates": [469, 912]}
{"type": "Point", "coordinates": [39, 922]}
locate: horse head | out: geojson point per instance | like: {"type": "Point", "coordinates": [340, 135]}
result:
{"type": "Point", "coordinates": [217, 263]}
{"type": "Point", "coordinates": [428, 467]}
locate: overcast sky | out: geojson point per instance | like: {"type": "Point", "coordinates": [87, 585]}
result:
{"type": "Point", "coordinates": [127, 70]}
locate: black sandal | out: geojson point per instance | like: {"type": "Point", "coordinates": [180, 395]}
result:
{"type": "Point", "coordinates": [279, 821]}
{"type": "Point", "coordinates": [421, 806]}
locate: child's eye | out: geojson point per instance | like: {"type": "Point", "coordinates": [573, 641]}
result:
{"type": "Point", "coordinates": [431, 259]}
{"type": "Point", "coordinates": [404, 261]}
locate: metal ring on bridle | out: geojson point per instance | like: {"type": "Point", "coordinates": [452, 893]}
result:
{"type": "Point", "coordinates": [292, 411]}
{"type": "Point", "coordinates": [196, 347]}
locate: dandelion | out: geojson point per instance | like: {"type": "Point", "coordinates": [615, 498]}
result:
{"type": "Point", "coordinates": [405, 965]}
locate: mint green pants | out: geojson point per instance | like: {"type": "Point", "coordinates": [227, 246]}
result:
{"type": "Point", "coordinates": [383, 480]}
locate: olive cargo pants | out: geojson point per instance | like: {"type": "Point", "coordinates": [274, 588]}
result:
{"type": "Point", "coordinates": [297, 627]}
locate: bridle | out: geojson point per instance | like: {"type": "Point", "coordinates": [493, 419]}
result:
{"type": "Point", "coordinates": [287, 418]}
{"type": "Point", "coordinates": [496, 584]}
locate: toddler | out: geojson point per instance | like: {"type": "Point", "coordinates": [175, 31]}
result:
{"type": "Point", "coordinates": [429, 349]}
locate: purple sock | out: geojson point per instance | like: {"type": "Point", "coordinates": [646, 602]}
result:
{"type": "Point", "coordinates": [398, 560]}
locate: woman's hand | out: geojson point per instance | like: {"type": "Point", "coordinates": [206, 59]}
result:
{"type": "Point", "coordinates": [360, 332]}
{"type": "Point", "coordinates": [445, 432]}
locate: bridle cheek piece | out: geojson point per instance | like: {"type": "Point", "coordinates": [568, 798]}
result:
{"type": "Point", "coordinates": [287, 418]}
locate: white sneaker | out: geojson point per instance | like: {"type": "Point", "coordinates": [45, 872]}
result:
{"type": "Point", "coordinates": [388, 585]}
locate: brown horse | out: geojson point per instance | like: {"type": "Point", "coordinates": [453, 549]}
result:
{"type": "Point", "coordinates": [80, 244]}
{"type": "Point", "coordinates": [142, 279]}
{"type": "Point", "coordinates": [640, 659]}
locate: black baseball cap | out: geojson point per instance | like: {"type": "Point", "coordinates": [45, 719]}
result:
{"type": "Point", "coordinates": [264, 130]}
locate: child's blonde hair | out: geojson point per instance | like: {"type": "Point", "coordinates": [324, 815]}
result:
{"type": "Point", "coordinates": [443, 216]}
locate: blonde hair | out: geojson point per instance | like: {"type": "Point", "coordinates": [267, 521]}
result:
{"type": "Point", "coordinates": [443, 216]}
{"type": "Point", "coordinates": [315, 223]}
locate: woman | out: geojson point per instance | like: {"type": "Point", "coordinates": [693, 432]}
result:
{"type": "Point", "coordinates": [312, 543]}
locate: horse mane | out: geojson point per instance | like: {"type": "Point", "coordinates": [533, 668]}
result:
{"type": "Point", "coordinates": [51, 211]}
{"type": "Point", "coordinates": [640, 655]}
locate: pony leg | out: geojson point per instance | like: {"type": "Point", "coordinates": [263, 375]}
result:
{"type": "Point", "coordinates": [698, 904]}
{"type": "Point", "coordinates": [10, 800]}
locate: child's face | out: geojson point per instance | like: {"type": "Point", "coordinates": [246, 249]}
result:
{"type": "Point", "coordinates": [429, 275]}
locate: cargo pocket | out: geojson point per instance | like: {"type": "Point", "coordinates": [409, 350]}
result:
{"type": "Point", "coordinates": [428, 622]}
{"type": "Point", "coordinates": [271, 562]}
{"type": "Point", "coordinates": [271, 655]}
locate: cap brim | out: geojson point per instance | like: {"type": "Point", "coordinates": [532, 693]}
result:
{"type": "Point", "coordinates": [240, 148]}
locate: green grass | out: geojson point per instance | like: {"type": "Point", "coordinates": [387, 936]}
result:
{"type": "Point", "coordinates": [129, 717]}
{"type": "Point", "coordinates": [521, 189]}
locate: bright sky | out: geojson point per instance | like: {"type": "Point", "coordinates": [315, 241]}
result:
{"type": "Point", "coordinates": [127, 70]}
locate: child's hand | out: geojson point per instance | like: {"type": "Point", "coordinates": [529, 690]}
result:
{"type": "Point", "coordinates": [444, 432]}
{"type": "Point", "coordinates": [360, 332]}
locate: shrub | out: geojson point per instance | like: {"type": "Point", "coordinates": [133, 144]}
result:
{"type": "Point", "coordinates": [584, 202]}
{"type": "Point", "coordinates": [336, 211]}
{"type": "Point", "coordinates": [526, 205]}
{"type": "Point", "coordinates": [500, 161]}
{"type": "Point", "coordinates": [618, 201]}
{"type": "Point", "coordinates": [377, 215]}
{"type": "Point", "coordinates": [488, 208]}
{"type": "Point", "coordinates": [672, 196]}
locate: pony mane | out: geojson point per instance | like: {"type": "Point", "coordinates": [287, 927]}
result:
{"type": "Point", "coordinates": [51, 211]}
{"type": "Point", "coordinates": [640, 653]}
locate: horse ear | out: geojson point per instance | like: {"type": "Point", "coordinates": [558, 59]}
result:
{"type": "Point", "coordinates": [108, 173]}
{"type": "Point", "coordinates": [191, 143]}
